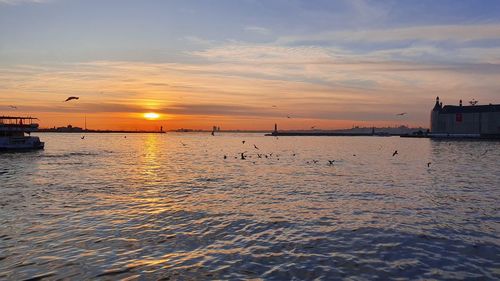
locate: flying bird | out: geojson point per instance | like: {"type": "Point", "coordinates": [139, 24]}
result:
{"type": "Point", "coordinates": [72, 98]}
{"type": "Point", "coordinates": [243, 142]}
{"type": "Point", "coordinates": [395, 152]}
{"type": "Point", "coordinates": [83, 137]}
{"type": "Point", "coordinates": [13, 107]}
{"type": "Point", "coordinates": [255, 147]}
{"type": "Point", "coordinates": [183, 144]}
{"type": "Point", "coordinates": [243, 157]}
{"type": "Point", "coordinates": [225, 156]}
{"type": "Point", "coordinates": [401, 114]}
{"type": "Point", "coordinates": [330, 162]}
{"type": "Point", "coordinates": [428, 164]}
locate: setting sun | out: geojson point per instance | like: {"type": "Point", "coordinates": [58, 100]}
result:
{"type": "Point", "coordinates": [151, 116]}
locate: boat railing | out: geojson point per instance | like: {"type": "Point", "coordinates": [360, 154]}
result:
{"type": "Point", "coordinates": [17, 121]}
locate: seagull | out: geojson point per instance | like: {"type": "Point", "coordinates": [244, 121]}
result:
{"type": "Point", "coordinates": [243, 142]}
{"type": "Point", "coordinates": [183, 144]}
{"type": "Point", "coordinates": [401, 114]}
{"type": "Point", "coordinates": [71, 98]}
{"type": "Point", "coordinates": [315, 161]}
{"type": "Point", "coordinates": [428, 164]}
{"type": "Point", "coordinates": [330, 162]}
{"type": "Point", "coordinates": [255, 147]}
{"type": "Point", "coordinates": [13, 107]}
{"type": "Point", "coordinates": [83, 137]}
{"type": "Point", "coordinates": [395, 152]}
{"type": "Point", "coordinates": [259, 155]}
{"type": "Point", "coordinates": [243, 157]}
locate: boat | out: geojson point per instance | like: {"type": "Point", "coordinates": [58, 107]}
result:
{"type": "Point", "coordinates": [15, 133]}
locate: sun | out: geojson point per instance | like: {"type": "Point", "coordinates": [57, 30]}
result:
{"type": "Point", "coordinates": [151, 116]}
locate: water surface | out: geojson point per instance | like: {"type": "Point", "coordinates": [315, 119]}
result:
{"type": "Point", "coordinates": [147, 206]}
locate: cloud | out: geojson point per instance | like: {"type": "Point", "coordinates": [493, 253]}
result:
{"type": "Point", "coordinates": [17, 2]}
{"type": "Point", "coordinates": [456, 33]}
{"type": "Point", "coordinates": [198, 41]}
{"type": "Point", "coordinates": [258, 29]}
{"type": "Point", "coordinates": [242, 82]}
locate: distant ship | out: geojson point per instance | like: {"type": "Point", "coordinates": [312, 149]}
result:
{"type": "Point", "coordinates": [13, 130]}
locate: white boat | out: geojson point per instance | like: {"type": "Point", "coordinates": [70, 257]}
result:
{"type": "Point", "coordinates": [15, 133]}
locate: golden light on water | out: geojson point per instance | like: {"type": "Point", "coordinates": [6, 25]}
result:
{"type": "Point", "coordinates": [151, 116]}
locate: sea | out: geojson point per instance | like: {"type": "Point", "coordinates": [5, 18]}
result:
{"type": "Point", "coordinates": [240, 206]}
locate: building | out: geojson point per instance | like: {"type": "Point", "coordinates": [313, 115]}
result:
{"type": "Point", "coordinates": [473, 120]}
{"type": "Point", "coordinates": [69, 129]}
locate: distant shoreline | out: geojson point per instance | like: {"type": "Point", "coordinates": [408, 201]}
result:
{"type": "Point", "coordinates": [99, 132]}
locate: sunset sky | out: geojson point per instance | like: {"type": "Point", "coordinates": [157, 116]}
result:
{"type": "Point", "coordinates": [329, 64]}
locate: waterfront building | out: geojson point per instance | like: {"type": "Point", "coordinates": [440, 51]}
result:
{"type": "Point", "coordinates": [471, 120]}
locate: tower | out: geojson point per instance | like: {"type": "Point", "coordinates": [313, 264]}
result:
{"type": "Point", "coordinates": [434, 126]}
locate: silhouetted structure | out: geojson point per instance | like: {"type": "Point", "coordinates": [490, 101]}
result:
{"type": "Point", "coordinates": [473, 120]}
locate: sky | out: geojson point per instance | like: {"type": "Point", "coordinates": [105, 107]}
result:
{"type": "Point", "coordinates": [245, 64]}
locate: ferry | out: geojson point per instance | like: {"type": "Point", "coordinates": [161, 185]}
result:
{"type": "Point", "coordinates": [15, 133]}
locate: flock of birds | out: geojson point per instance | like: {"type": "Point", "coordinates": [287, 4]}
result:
{"type": "Point", "coordinates": [244, 155]}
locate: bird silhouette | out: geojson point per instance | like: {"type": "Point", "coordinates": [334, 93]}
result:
{"type": "Point", "coordinates": [72, 98]}
{"type": "Point", "coordinates": [225, 156]}
{"type": "Point", "coordinates": [401, 114]}
{"type": "Point", "coordinates": [259, 155]}
{"type": "Point", "coordinates": [83, 137]}
{"type": "Point", "coordinates": [313, 127]}
{"type": "Point", "coordinates": [330, 162]}
{"type": "Point", "coordinates": [395, 152]}
{"type": "Point", "coordinates": [183, 144]}
{"type": "Point", "coordinates": [243, 157]}
{"type": "Point", "coordinates": [255, 147]}
{"type": "Point", "coordinates": [428, 164]}
{"type": "Point", "coordinates": [243, 142]}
